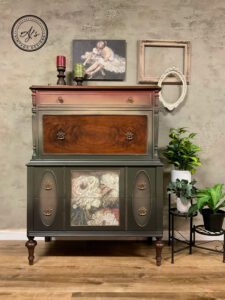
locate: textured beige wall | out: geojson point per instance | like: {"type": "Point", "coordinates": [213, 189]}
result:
{"type": "Point", "coordinates": [200, 21]}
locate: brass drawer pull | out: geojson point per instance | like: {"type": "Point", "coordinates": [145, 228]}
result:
{"type": "Point", "coordinates": [60, 135]}
{"type": "Point", "coordinates": [130, 100]}
{"type": "Point", "coordinates": [60, 100]}
{"type": "Point", "coordinates": [47, 212]}
{"type": "Point", "coordinates": [141, 186]}
{"type": "Point", "coordinates": [48, 187]}
{"type": "Point", "coordinates": [129, 135]}
{"type": "Point", "coordinates": [142, 211]}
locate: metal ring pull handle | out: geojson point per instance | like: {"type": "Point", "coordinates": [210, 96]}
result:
{"type": "Point", "coordinates": [60, 135]}
{"type": "Point", "coordinates": [141, 186]}
{"type": "Point", "coordinates": [129, 135]}
{"type": "Point", "coordinates": [142, 211]}
{"type": "Point", "coordinates": [47, 212]}
{"type": "Point", "coordinates": [48, 187]}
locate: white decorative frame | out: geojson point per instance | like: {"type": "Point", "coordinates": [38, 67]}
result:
{"type": "Point", "coordinates": [143, 44]}
{"type": "Point", "coordinates": [173, 71]}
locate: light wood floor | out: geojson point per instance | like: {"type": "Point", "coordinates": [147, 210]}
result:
{"type": "Point", "coordinates": [107, 270]}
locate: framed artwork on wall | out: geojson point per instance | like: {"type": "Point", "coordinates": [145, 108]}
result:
{"type": "Point", "coordinates": [102, 59]}
{"type": "Point", "coordinates": [156, 56]}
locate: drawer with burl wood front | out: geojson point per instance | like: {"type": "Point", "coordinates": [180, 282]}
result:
{"type": "Point", "coordinates": [95, 134]}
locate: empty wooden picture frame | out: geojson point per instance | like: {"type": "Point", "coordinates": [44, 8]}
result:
{"type": "Point", "coordinates": [155, 56]}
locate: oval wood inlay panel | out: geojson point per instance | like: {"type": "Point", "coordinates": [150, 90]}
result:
{"type": "Point", "coordinates": [141, 201]}
{"type": "Point", "coordinates": [95, 134]}
{"type": "Point", "coordinates": [48, 198]}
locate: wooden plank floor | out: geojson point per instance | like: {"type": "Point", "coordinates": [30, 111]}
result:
{"type": "Point", "coordinates": [107, 270]}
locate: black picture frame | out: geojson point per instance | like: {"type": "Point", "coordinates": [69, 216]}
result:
{"type": "Point", "coordinates": [103, 60]}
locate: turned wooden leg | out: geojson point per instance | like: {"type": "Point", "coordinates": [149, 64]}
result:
{"type": "Point", "coordinates": [30, 244]}
{"type": "Point", "coordinates": [158, 246]}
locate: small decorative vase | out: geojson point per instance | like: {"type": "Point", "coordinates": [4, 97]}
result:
{"type": "Point", "coordinates": [183, 205]}
{"type": "Point", "coordinates": [180, 174]}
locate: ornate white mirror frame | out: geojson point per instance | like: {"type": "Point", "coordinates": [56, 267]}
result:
{"type": "Point", "coordinates": [173, 71]}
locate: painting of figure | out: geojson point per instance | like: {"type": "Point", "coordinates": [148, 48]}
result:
{"type": "Point", "coordinates": [102, 59]}
{"type": "Point", "coordinates": [95, 198]}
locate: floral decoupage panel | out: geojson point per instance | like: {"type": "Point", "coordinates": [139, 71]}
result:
{"type": "Point", "coordinates": [95, 198]}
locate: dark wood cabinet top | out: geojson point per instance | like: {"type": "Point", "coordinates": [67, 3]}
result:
{"type": "Point", "coordinates": [95, 88]}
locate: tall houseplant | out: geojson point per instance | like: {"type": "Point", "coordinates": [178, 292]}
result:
{"type": "Point", "coordinates": [184, 192]}
{"type": "Point", "coordinates": [209, 202]}
{"type": "Point", "coordinates": [182, 153]}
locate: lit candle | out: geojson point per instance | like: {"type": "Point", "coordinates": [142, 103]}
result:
{"type": "Point", "coordinates": [61, 61]}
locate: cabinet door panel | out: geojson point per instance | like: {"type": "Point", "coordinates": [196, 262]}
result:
{"type": "Point", "coordinates": [141, 199]}
{"type": "Point", "coordinates": [95, 199]}
{"type": "Point", "coordinates": [48, 198]}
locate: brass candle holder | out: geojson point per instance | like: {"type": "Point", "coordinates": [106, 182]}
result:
{"type": "Point", "coordinates": [79, 80]}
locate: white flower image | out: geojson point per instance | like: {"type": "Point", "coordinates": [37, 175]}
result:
{"type": "Point", "coordinates": [95, 198]}
{"type": "Point", "coordinates": [85, 192]}
{"type": "Point", "coordinates": [110, 182]}
{"type": "Point", "coordinates": [103, 217]}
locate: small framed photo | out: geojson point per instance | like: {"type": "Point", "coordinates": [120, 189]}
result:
{"type": "Point", "coordinates": [156, 56]}
{"type": "Point", "coordinates": [102, 59]}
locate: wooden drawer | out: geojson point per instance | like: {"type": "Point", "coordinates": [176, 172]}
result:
{"type": "Point", "coordinates": [95, 98]}
{"type": "Point", "coordinates": [95, 134]}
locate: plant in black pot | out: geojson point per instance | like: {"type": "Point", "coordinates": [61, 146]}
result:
{"type": "Point", "coordinates": [182, 153]}
{"type": "Point", "coordinates": [184, 191]}
{"type": "Point", "coordinates": [209, 202]}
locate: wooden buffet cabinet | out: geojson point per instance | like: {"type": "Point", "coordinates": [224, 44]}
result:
{"type": "Point", "coordinates": [95, 170]}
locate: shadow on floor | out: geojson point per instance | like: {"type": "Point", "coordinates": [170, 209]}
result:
{"type": "Point", "coordinates": [97, 248]}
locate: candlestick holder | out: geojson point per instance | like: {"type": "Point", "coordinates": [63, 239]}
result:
{"type": "Point", "coordinates": [79, 80]}
{"type": "Point", "coordinates": [61, 75]}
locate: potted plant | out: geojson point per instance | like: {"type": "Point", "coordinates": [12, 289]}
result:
{"type": "Point", "coordinates": [209, 202]}
{"type": "Point", "coordinates": [184, 190]}
{"type": "Point", "coordinates": [182, 153]}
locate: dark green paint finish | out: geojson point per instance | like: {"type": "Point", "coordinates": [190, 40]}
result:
{"type": "Point", "coordinates": [128, 226]}
{"type": "Point", "coordinates": [132, 175]}
{"type": "Point", "coordinates": [34, 202]}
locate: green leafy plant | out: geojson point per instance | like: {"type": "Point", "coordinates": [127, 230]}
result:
{"type": "Point", "coordinates": [182, 189]}
{"type": "Point", "coordinates": [212, 198]}
{"type": "Point", "coordinates": [181, 152]}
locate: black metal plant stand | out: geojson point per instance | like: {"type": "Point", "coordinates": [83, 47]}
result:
{"type": "Point", "coordinates": [200, 229]}
{"type": "Point", "coordinates": [173, 212]}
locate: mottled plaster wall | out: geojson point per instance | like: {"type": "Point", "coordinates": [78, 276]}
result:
{"type": "Point", "coordinates": [200, 21]}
